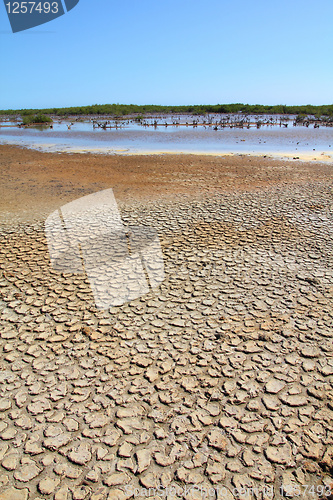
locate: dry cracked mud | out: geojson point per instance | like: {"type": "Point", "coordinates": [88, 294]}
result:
{"type": "Point", "coordinates": [218, 384]}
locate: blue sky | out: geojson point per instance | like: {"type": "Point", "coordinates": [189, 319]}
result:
{"type": "Point", "coordinates": [172, 52]}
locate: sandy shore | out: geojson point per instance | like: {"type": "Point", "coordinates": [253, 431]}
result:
{"type": "Point", "coordinates": [219, 381]}
{"type": "Point", "coordinates": [35, 183]}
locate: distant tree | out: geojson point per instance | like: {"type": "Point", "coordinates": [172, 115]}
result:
{"type": "Point", "coordinates": [36, 119]}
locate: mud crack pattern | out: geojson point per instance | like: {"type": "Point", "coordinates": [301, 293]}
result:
{"type": "Point", "coordinates": [222, 377]}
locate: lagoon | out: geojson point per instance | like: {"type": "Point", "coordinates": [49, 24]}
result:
{"type": "Point", "coordinates": [169, 134]}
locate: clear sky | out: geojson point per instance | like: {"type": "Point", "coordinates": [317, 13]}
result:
{"type": "Point", "coordinates": [172, 52]}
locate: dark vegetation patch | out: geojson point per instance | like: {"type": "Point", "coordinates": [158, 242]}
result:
{"type": "Point", "coordinates": [119, 110]}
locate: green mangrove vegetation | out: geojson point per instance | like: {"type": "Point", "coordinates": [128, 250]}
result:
{"type": "Point", "coordinates": [30, 119]}
{"type": "Point", "coordinates": [121, 110]}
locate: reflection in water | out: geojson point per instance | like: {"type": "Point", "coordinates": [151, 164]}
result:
{"type": "Point", "coordinates": [212, 134]}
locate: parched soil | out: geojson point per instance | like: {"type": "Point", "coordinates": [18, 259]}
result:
{"type": "Point", "coordinates": [216, 384]}
{"type": "Point", "coordinates": [34, 183]}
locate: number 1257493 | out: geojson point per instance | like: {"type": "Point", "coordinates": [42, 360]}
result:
{"type": "Point", "coordinates": [32, 7]}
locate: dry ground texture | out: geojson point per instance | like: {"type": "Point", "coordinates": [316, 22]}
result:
{"type": "Point", "coordinates": [218, 384]}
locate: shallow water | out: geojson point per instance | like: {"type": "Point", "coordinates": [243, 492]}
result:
{"type": "Point", "coordinates": [134, 138]}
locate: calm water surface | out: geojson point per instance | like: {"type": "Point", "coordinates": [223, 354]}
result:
{"type": "Point", "coordinates": [134, 138]}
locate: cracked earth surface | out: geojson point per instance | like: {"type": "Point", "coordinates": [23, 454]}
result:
{"type": "Point", "coordinates": [218, 381]}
